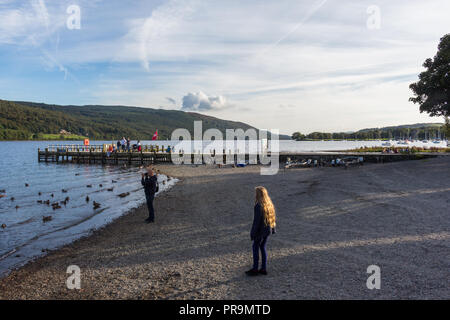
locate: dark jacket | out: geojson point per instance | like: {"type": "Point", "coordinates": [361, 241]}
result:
{"type": "Point", "coordinates": [259, 228]}
{"type": "Point", "coordinates": [149, 183]}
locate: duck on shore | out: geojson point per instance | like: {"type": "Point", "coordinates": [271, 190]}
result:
{"type": "Point", "coordinates": [47, 218]}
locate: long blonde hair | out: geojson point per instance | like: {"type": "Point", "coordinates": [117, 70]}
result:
{"type": "Point", "coordinates": [262, 197]}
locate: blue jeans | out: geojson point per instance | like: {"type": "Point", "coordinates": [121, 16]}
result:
{"type": "Point", "coordinates": [151, 210]}
{"type": "Point", "coordinates": [259, 244]}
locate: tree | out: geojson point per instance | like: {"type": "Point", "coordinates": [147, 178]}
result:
{"type": "Point", "coordinates": [447, 128]}
{"type": "Point", "coordinates": [298, 136]}
{"type": "Point", "coordinates": [432, 91]}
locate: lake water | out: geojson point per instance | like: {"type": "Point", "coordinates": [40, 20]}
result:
{"type": "Point", "coordinates": [285, 145]}
{"type": "Point", "coordinates": [26, 236]}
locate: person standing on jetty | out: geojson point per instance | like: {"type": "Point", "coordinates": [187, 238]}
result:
{"type": "Point", "coordinates": [263, 224]}
{"type": "Point", "coordinates": [128, 144]}
{"type": "Point", "coordinates": [123, 143]}
{"type": "Point", "coordinates": [150, 182]}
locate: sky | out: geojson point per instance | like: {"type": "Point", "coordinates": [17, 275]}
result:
{"type": "Point", "coordinates": [292, 65]}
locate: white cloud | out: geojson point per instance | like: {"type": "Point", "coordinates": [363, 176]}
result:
{"type": "Point", "coordinates": [147, 34]}
{"type": "Point", "coordinates": [199, 101]}
{"type": "Point", "coordinates": [29, 24]}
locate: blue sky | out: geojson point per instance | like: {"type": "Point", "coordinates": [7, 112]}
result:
{"type": "Point", "coordinates": [287, 64]}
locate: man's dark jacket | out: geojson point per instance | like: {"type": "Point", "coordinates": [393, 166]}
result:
{"type": "Point", "coordinates": [149, 183]}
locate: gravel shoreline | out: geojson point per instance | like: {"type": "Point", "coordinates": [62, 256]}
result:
{"type": "Point", "coordinates": [332, 224]}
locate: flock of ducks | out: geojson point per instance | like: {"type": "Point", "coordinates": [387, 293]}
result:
{"type": "Point", "coordinates": [58, 205]}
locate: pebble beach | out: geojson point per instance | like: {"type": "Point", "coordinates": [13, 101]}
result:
{"type": "Point", "coordinates": [332, 224]}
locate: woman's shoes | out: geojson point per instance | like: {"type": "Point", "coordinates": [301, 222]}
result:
{"type": "Point", "coordinates": [252, 272]}
{"type": "Point", "coordinates": [255, 272]}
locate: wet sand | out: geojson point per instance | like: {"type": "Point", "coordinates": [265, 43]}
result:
{"type": "Point", "coordinates": [332, 224]}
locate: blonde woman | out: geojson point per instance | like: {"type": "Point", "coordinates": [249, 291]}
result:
{"type": "Point", "coordinates": [263, 223]}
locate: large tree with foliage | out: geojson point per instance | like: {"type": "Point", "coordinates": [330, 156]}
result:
{"type": "Point", "coordinates": [432, 91]}
{"type": "Point", "coordinates": [298, 136]}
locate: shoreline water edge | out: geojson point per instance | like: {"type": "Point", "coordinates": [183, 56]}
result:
{"type": "Point", "coordinates": [69, 231]}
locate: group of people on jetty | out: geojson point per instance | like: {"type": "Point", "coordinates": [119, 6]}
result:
{"type": "Point", "coordinates": [264, 219]}
{"type": "Point", "coordinates": [124, 144]}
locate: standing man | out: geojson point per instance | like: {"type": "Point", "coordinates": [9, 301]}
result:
{"type": "Point", "coordinates": [124, 144]}
{"type": "Point", "coordinates": [118, 145]}
{"type": "Point", "coordinates": [150, 183]}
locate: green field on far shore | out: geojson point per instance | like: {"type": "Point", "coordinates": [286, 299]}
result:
{"type": "Point", "coordinates": [55, 136]}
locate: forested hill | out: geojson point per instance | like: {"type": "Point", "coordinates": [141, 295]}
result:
{"type": "Point", "coordinates": [27, 121]}
{"type": "Point", "coordinates": [415, 131]}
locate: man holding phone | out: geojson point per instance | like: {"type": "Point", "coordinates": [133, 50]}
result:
{"type": "Point", "coordinates": [150, 182]}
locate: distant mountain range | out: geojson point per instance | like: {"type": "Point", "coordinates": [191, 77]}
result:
{"type": "Point", "coordinates": [406, 126]}
{"type": "Point", "coordinates": [21, 120]}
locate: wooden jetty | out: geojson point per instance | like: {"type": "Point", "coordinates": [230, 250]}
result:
{"type": "Point", "coordinates": [150, 154]}
{"type": "Point", "coordinates": [95, 154]}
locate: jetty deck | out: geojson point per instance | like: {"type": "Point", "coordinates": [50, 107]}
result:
{"type": "Point", "coordinates": [150, 154]}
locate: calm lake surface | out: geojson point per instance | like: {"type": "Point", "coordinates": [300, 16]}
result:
{"type": "Point", "coordinates": [26, 236]}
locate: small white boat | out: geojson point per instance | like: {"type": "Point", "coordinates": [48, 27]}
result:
{"type": "Point", "coordinates": [424, 141]}
{"type": "Point", "coordinates": [436, 141]}
{"type": "Point", "coordinates": [387, 144]}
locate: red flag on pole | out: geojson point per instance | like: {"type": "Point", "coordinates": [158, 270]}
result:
{"type": "Point", "coordinates": [155, 136]}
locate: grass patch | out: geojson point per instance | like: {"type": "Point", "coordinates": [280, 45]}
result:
{"type": "Point", "coordinates": [55, 136]}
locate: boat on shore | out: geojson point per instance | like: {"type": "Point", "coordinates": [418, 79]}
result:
{"type": "Point", "coordinates": [404, 142]}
